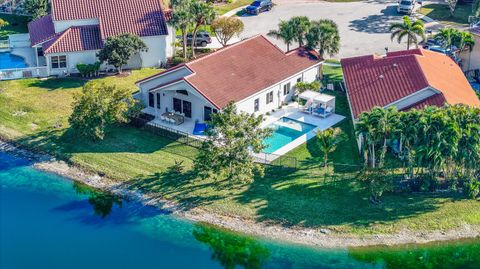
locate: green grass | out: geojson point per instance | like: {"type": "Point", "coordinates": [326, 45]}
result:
{"type": "Point", "coordinates": [441, 13]}
{"type": "Point", "coordinates": [31, 109]}
{"type": "Point", "coordinates": [226, 7]}
{"type": "Point", "coordinates": [332, 73]}
{"type": "Point", "coordinates": [17, 25]}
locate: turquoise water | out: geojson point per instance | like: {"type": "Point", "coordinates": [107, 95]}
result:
{"type": "Point", "coordinates": [49, 222]}
{"type": "Point", "coordinates": [8, 61]}
{"type": "Point", "coordinates": [285, 130]}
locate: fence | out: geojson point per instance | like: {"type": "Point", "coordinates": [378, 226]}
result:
{"type": "Point", "coordinates": [29, 72]}
{"type": "Point", "coordinates": [196, 142]}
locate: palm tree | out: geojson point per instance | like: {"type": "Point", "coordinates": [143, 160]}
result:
{"type": "Point", "coordinates": [465, 40]}
{"type": "Point", "coordinates": [285, 32]}
{"type": "Point", "coordinates": [409, 29]}
{"type": "Point", "coordinates": [328, 141]}
{"type": "Point", "coordinates": [366, 130]}
{"type": "Point", "coordinates": [324, 36]}
{"type": "Point", "coordinates": [447, 36]}
{"type": "Point", "coordinates": [202, 14]}
{"type": "Point", "coordinates": [300, 25]}
{"type": "Point", "coordinates": [182, 19]}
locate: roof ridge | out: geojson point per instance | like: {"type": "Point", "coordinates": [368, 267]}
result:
{"type": "Point", "coordinates": [415, 56]}
{"type": "Point", "coordinates": [223, 49]}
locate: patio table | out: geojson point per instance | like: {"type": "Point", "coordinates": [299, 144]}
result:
{"type": "Point", "coordinates": [179, 119]}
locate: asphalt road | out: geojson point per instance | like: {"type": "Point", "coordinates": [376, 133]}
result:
{"type": "Point", "coordinates": [363, 25]}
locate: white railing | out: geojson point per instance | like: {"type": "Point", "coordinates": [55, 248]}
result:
{"type": "Point", "coordinates": [28, 72]}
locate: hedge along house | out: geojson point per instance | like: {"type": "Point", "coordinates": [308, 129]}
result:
{"type": "Point", "coordinates": [410, 79]}
{"type": "Point", "coordinates": [254, 74]}
{"type": "Point", "coordinates": [76, 30]}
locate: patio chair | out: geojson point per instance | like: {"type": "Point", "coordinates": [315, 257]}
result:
{"type": "Point", "coordinates": [162, 118]}
{"type": "Point", "coordinates": [172, 121]}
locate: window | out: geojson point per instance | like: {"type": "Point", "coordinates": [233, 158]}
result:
{"type": "Point", "coordinates": [256, 105]}
{"type": "Point", "coordinates": [151, 101]}
{"type": "Point", "coordinates": [269, 97]}
{"type": "Point", "coordinates": [184, 92]}
{"type": "Point", "coordinates": [158, 100]}
{"type": "Point", "coordinates": [177, 105]}
{"type": "Point", "coordinates": [299, 79]}
{"type": "Point", "coordinates": [286, 89]}
{"type": "Point", "coordinates": [59, 61]}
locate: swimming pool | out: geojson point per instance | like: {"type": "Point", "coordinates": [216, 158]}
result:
{"type": "Point", "coordinates": [10, 61]}
{"type": "Point", "coordinates": [285, 130]}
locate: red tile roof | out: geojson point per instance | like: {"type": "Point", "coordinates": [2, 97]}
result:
{"type": "Point", "coordinates": [41, 30]}
{"type": "Point", "coordinates": [379, 81]}
{"type": "Point", "coordinates": [242, 69]}
{"type": "Point", "coordinates": [76, 38]}
{"type": "Point", "coordinates": [140, 17]}
{"type": "Point", "coordinates": [435, 100]}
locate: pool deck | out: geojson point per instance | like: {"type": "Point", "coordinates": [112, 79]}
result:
{"type": "Point", "coordinates": [294, 111]}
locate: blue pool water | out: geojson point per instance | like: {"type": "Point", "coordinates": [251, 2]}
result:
{"type": "Point", "coordinates": [285, 130]}
{"type": "Point", "coordinates": [9, 61]}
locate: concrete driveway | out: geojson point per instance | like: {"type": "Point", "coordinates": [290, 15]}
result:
{"type": "Point", "coordinates": [363, 25]}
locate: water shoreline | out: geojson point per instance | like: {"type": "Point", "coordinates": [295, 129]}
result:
{"type": "Point", "coordinates": [322, 238]}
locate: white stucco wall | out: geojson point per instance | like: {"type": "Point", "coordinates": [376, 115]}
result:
{"type": "Point", "coordinates": [247, 105]}
{"type": "Point", "coordinates": [471, 60]}
{"type": "Point", "coordinates": [63, 25]}
{"type": "Point", "coordinates": [73, 58]}
{"type": "Point", "coordinates": [158, 49]}
{"type": "Point", "coordinates": [164, 78]}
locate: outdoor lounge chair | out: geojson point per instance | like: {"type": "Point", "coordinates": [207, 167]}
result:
{"type": "Point", "coordinates": [200, 128]}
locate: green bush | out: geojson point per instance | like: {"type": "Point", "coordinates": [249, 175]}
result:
{"type": "Point", "coordinates": [88, 70]}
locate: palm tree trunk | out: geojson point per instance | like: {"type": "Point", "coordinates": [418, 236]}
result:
{"type": "Point", "coordinates": [184, 37]}
{"type": "Point", "coordinates": [408, 43]}
{"type": "Point", "coordinates": [194, 39]}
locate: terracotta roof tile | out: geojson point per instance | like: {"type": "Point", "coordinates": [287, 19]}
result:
{"type": "Point", "coordinates": [140, 17]}
{"type": "Point", "coordinates": [378, 81]}
{"type": "Point", "coordinates": [41, 30]}
{"type": "Point", "coordinates": [77, 38]}
{"type": "Point", "coordinates": [240, 70]}
{"type": "Point", "coordinates": [435, 100]}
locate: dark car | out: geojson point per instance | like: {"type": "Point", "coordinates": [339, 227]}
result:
{"type": "Point", "coordinates": [259, 6]}
{"type": "Point", "coordinates": [202, 40]}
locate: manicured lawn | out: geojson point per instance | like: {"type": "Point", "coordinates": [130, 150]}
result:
{"type": "Point", "coordinates": [333, 73]}
{"type": "Point", "coordinates": [34, 112]}
{"type": "Point", "coordinates": [17, 25]}
{"type": "Point", "coordinates": [442, 13]}
{"type": "Point", "coordinates": [226, 7]}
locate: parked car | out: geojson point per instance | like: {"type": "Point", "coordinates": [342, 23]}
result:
{"type": "Point", "coordinates": [406, 6]}
{"type": "Point", "coordinates": [259, 6]}
{"type": "Point", "coordinates": [202, 40]}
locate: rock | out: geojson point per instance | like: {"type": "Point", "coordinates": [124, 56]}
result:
{"type": "Point", "coordinates": [325, 231]}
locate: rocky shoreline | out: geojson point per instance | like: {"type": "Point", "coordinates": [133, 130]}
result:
{"type": "Point", "coordinates": [323, 238]}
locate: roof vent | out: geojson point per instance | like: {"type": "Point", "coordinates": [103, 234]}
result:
{"type": "Point", "coordinates": [381, 76]}
{"type": "Point", "coordinates": [395, 65]}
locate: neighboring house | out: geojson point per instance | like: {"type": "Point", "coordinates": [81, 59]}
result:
{"type": "Point", "coordinates": [76, 30]}
{"type": "Point", "coordinates": [254, 74]}
{"type": "Point", "coordinates": [405, 79]}
{"type": "Point", "coordinates": [471, 59]}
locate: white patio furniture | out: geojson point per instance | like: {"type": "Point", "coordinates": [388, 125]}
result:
{"type": "Point", "coordinates": [318, 104]}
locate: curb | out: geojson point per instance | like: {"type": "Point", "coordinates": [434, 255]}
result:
{"type": "Point", "coordinates": [233, 11]}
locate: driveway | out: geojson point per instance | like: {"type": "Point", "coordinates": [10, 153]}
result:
{"type": "Point", "coordinates": [363, 25]}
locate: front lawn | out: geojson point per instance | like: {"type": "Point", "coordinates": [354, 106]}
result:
{"type": "Point", "coordinates": [441, 13]}
{"type": "Point", "coordinates": [226, 7]}
{"type": "Point", "coordinates": [34, 112]}
{"type": "Point", "coordinates": [17, 25]}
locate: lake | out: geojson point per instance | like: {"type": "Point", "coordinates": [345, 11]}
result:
{"type": "Point", "coordinates": [47, 221]}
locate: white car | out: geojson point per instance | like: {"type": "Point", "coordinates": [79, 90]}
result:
{"type": "Point", "coordinates": [406, 6]}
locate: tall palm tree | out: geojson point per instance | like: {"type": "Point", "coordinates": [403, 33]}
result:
{"type": "Point", "coordinates": [202, 14]}
{"type": "Point", "coordinates": [386, 120]}
{"type": "Point", "coordinates": [410, 30]}
{"type": "Point", "coordinates": [285, 32]}
{"type": "Point", "coordinates": [300, 25]}
{"type": "Point", "coordinates": [465, 40]}
{"type": "Point", "coordinates": [182, 19]}
{"type": "Point", "coordinates": [324, 36]}
{"type": "Point", "coordinates": [447, 36]}
{"type": "Point", "coordinates": [328, 141]}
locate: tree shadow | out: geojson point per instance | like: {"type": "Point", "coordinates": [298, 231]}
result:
{"type": "Point", "coordinates": [185, 188]}
{"type": "Point", "coordinates": [302, 199]}
{"type": "Point", "coordinates": [376, 24]}
{"type": "Point", "coordinates": [56, 83]}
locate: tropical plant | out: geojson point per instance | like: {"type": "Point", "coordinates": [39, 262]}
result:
{"type": "Point", "coordinates": [226, 154]}
{"type": "Point", "coordinates": [300, 25]}
{"type": "Point", "coordinates": [182, 19]}
{"type": "Point", "coordinates": [377, 181]}
{"type": "Point", "coordinates": [226, 28]}
{"type": "Point", "coordinates": [305, 86]}
{"type": "Point", "coordinates": [285, 32]}
{"type": "Point", "coordinates": [327, 141]}
{"type": "Point", "coordinates": [98, 106]}
{"type": "Point", "coordinates": [202, 13]}
{"type": "Point", "coordinates": [473, 188]}
{"type": "Point", "coordinates": [324, 36]}
{"type": "Point", "coordinates": [447, 36]}
{"type": "Point", "coordinates": [410, 30]}
{"type": "Point", "coordinates": [119, 49]}
{"type": "Point", "coordinates": [37, 8]}
{"type": "Point", "coordinates": [465, 40]}
{"type": "Point", "coordinates": [3, 23]}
